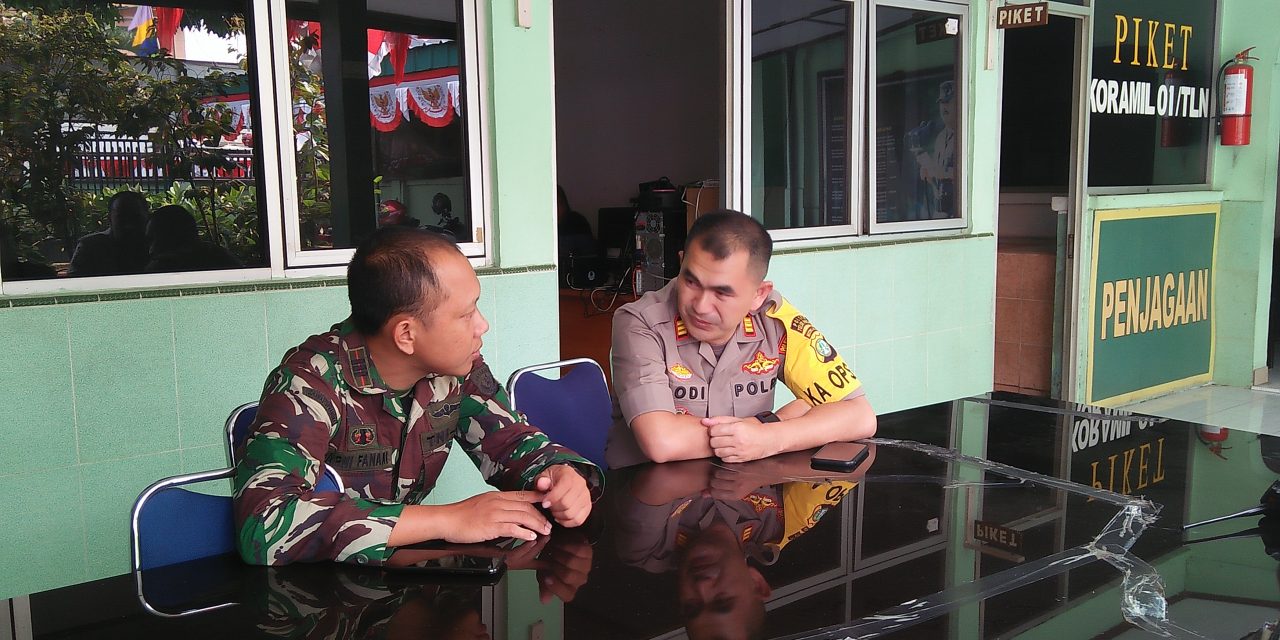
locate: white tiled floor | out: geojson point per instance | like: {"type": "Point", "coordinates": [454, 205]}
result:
{"type": "Point", "coordinates": [1254, 410]}
{"type": "Point", "coordinates": [1212, 619]}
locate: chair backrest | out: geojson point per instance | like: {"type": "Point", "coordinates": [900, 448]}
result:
{"type": "Point", "coordinates": [573, 410]}
{"type": "Point", "coordinates": [171, 524]}
{"type": "Point", "coordinates": [238, 424]}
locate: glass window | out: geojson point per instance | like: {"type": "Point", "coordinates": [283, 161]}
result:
{"type": "Point", "coordinates": [801, 83]}
{"type": "Point", "coordinates": [918, 107]}
{"type": "Point", "coordinates": [388, 147]}
{"type": "Point", "coordinates": [125, 140]}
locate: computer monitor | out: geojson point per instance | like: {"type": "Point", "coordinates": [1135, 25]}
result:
{"type": "Point", "coordinates": [617, 227]}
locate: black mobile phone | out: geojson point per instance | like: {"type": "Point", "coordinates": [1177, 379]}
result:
{"type": "Point", "coordinates": [839, 456]}
{"type": "Point", "coordinates": [478, 560]}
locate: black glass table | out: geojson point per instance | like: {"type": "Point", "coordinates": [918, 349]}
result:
{"type": "Point", "coordinates": [997, 516]}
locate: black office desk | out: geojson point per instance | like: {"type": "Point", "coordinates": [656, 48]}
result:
{"type": "Point", "coordinates": [971, 528]}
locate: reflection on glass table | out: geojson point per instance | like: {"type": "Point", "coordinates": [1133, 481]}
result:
{"type": "Point", "coordinates": [996, 516]}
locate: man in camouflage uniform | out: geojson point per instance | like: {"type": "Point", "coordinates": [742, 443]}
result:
{"type": "Point", "coordinates": [696, 362]}
{"type": "Point", "coordinates": [381, 398]}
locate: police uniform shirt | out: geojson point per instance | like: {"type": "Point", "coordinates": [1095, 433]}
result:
{"type": "Point", "coordinates": [659, 366]}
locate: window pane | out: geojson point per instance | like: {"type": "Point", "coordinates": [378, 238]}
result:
{"type": "Point", "coordinates": [405, 117]}
{"type": "Point", "coordinates": [918, 110]}
{"type": "Point", "coordinates": [125, 144]}
{"type": "Point", "coordinates": [800, 90]}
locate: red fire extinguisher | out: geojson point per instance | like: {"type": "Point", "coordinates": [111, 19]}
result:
{"type": "Point", "coordinates": [1237, 99]}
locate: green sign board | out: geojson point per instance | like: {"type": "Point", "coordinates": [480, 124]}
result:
{"type": "Point", "coordinates": [1151, 301]}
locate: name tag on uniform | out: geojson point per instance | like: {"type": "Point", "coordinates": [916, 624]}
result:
{"type": "Point", "coordinates": [433, 439]}
{"type": "Point", "coordinates": [362, 460]}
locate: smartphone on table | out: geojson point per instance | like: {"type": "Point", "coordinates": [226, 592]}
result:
{"type": "Point", "coordinates": [477, 560]}
{"type": "Point", "coordinates": [839, 456]}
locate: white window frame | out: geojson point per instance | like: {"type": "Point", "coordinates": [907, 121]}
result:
{"type": "Point", "coordinates": [314, 262]}
{"type": "Point", "coordinates": [268, 195]}
{"type": "Point", "coordinates": [962, 95]}
{"type": "Point", "coordinates": [740, 118]}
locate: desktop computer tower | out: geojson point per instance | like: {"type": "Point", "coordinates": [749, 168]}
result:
{"type": "Point", "coordinates": [660, 237]}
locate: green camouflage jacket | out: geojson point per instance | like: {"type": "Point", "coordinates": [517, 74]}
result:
{"type": "Point", "coordinates": [327, 403]}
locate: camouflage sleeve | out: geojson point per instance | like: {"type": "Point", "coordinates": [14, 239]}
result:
{"type": "Point", "coordinates": [510, 452]}
{"type": "Point", "coordinates": [280, 517]}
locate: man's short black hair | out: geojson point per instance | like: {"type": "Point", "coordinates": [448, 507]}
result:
{"type": "Point", "coordinates": [392, 272]}
{"type": "Point", "coordinates": [725, 231]}
{"type": "Point", "coordinates": [128, 198]}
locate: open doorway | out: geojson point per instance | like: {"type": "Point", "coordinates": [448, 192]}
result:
{"type": "Point", "coordinates": [1272, 382]}
{"type": "Point", "coordinates": [639, 91]}
{"type": "Point", "coordinates": [1037, 205]}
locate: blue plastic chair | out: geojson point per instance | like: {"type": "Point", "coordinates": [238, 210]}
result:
{"type": "Point", "coordinates": [238, 424]}
{"type": "Point", "coordinates": [171, 524]}
{"type": "Point", "coordinates": [573, 410]}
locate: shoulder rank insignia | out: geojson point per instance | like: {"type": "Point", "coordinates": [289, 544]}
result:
{"type": "Point", "coordinates": [748, 327]}
{"type": "Point", "coordinates": [360, 366]}
{"type": "Point", "coordinates": [682, 331]}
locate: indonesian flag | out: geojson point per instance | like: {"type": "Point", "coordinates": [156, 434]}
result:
{"type": "Point", "coordinates": [383, 43]}
{"type": "Point", "coordinates": [167, 22]}
{"type": "Point", "coordinates": [378, 49]}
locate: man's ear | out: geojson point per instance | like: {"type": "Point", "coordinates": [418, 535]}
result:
{"type": "Point", "coordinates": [762, 292]}
{"type": "Point", "coordinates": [402, 329]}
{"type": "Point", "coordinates": [758, 582]}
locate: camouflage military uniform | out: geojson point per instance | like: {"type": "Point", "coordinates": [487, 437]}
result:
{"type": "Point", "coordinates": [301, 602]}
{"type": "Point", "coordinates": [327, 403]}
{"type": "Point", "coordinates": [659, 366]}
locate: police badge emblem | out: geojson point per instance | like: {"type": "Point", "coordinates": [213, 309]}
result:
{"type": "Point", "coordinates": [825, 351]}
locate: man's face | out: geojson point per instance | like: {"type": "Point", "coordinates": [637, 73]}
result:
{"type": "Point", "coordinates": [448, 338]}
{"type": "Point", "coordinates": [714, 295]}
{"type": "Point", "coordinates": [127, 222]}
{"type": "Point", "coordinates": [948, 111]}
{"type": "Point", "coordinates": [720, 595]}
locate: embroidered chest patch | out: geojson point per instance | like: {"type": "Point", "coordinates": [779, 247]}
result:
{"type": "Point", "coordinates": [760, 365]}
{"type": "Point", "coordinates": [363, 436]}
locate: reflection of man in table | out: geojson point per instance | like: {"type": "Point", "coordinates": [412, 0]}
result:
{"type": "Point", "coordinates": [695, 363]}
{"type": "Point", "coordinates": [381, 398]}
{"type": "Point", "coordinates": [306, 602]}
{"type": "Point", "coordinates": [715, 525]}
{"type": "Point", "coordinates": [935, 153]}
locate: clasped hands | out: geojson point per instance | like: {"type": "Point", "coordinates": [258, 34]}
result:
{"type": "Point", "coordinates": [560, 490]}
{"type": "Point", "coordinates": [740, 439]}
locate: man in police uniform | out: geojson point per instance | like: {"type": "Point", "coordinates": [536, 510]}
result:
{"type": "Point", "coordinates": [695, 363]}
{"type": "Point", "coordinates": [381, 398]}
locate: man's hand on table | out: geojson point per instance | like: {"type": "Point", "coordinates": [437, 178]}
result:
{"type": "Point", "coordinates": [740, 439]}
{"type": "Point", "coordinates": [496, 514]}
{"type": "Point", "coordinates": [565, 494]}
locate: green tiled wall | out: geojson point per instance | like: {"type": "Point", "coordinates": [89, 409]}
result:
{"type": "Point", "coordinates": [914, 320]}
{"type": "Point", "coordinates": [104, 398]}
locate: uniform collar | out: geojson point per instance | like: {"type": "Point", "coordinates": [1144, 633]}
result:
{"type": "Point", "coordinates": [749, 330]}
{"type": "Point", "coordinates": [357, 363]}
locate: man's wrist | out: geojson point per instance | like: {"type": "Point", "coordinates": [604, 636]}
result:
{"type": "Point", "coordinates": [765, 417]}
